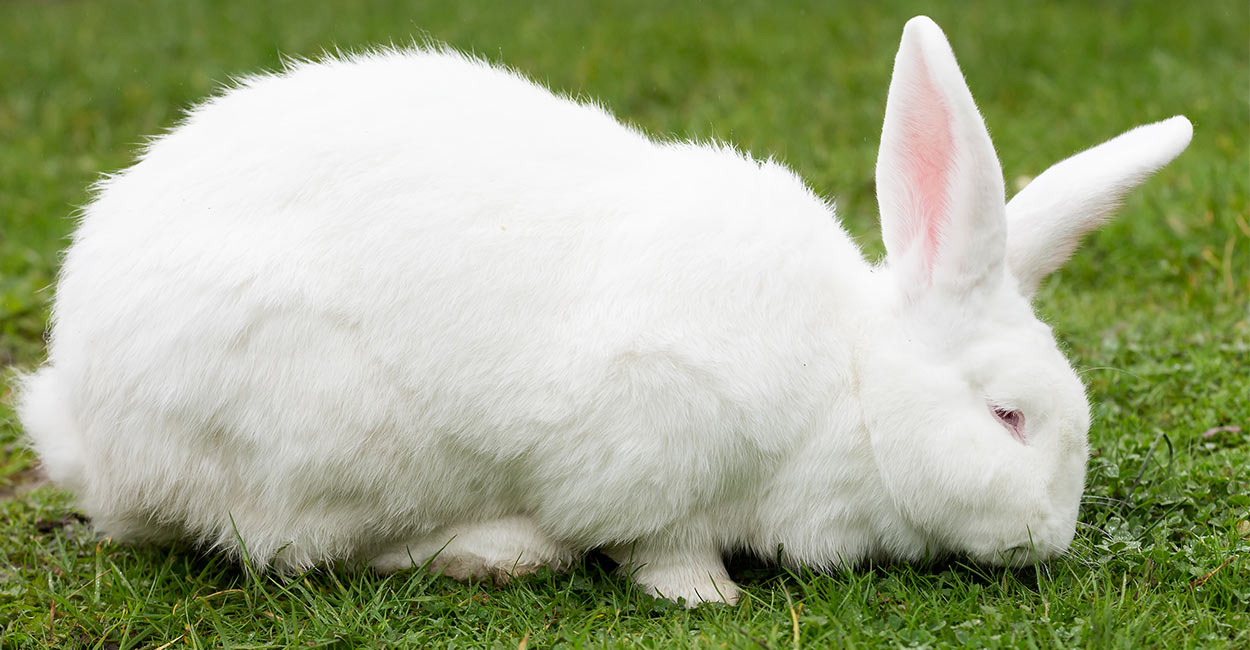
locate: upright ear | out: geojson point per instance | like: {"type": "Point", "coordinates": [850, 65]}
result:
{"type": "Point", "coordinates": [939, 184]}
{"type": "Point", "coordinates": [1046, 220]}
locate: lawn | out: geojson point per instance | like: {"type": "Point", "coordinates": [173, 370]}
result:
{"type": "Point", "coordinates": [1154, 309]}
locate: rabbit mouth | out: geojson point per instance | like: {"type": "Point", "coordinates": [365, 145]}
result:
{"type": "Point", "coordinates": [1021, 555]}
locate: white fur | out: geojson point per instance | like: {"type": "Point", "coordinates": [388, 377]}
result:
{"type": "Point", "coordinates": [407, 307]}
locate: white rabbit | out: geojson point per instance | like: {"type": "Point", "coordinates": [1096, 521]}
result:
{"type": "Point", "coordinates": [407, 307]}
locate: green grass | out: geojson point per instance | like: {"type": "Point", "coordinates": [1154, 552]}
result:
{"type": "Point", "coordinates": [1155, 308]}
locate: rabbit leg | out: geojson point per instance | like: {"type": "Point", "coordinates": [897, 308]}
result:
{"type": "Point", "coordinates": [494, 550]}
{"type": "Point", "coordinates": [697, 575]}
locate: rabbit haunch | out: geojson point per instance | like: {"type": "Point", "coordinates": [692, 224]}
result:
{"type": "Point", "coordinates": [407, 307]}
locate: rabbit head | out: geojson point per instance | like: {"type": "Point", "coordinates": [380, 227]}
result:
{"type": "Point", "coordinates": [976, 420]}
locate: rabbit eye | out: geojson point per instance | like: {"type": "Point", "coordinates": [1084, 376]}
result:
{"type": "Point", "coordinates": [1013, 421]}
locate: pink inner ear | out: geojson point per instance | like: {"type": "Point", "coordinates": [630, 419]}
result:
{"type": "Point", "coordinates": [928, 159]}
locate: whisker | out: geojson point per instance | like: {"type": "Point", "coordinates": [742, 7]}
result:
{"type": "Point", "coordinates": [1083, 552]}
{"type": "Point", "coordinates": [1082, 371]}
{"type": "Point", "coordinates": [1090, 498]}
{"type": "Point", "coordinates": [1101, 531]}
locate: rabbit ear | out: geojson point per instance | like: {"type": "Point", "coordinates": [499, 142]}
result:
{"type": "Point", "coordinates": [1046, 220]}
{"type": "Point", "coordinates": [939, 184]}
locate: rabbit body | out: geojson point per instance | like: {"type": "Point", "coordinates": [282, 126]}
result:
{"type": "Point", "coordinates": [409, 307]}
{"type": "Point", "coordinates": [342, 307]}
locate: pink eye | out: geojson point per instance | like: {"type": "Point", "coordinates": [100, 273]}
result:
{"type": "Point", "coordinates": [1013, 421]}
